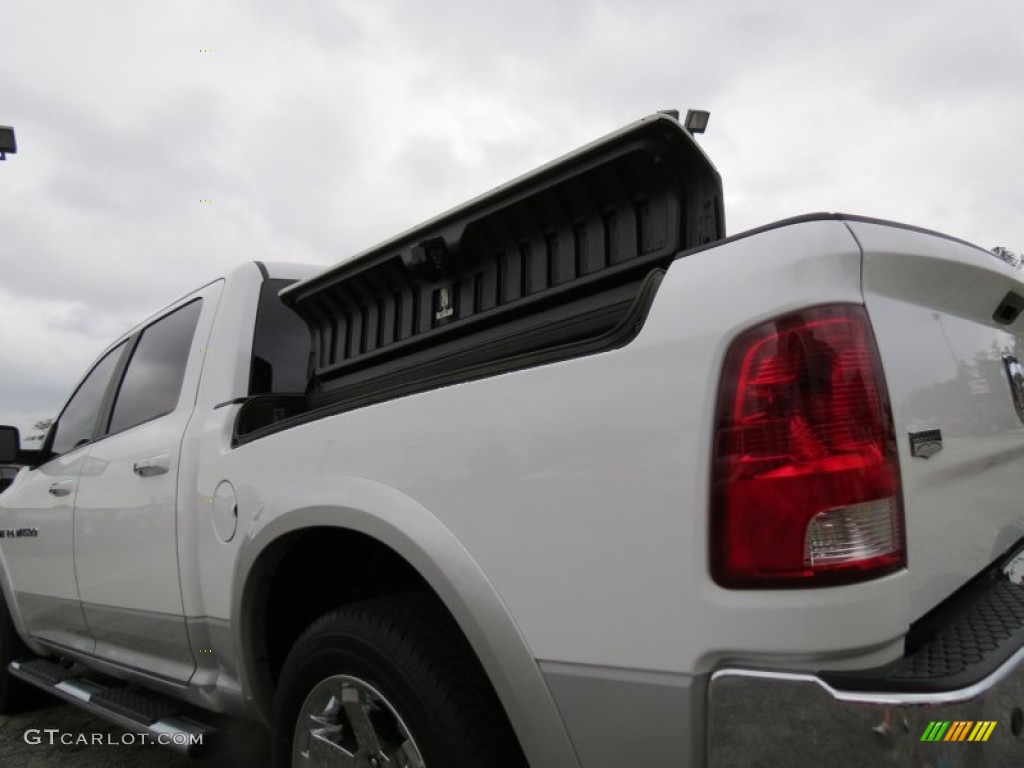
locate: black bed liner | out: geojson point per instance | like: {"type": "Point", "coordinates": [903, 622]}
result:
{"type": "Point", "coordinates": [560, 262]}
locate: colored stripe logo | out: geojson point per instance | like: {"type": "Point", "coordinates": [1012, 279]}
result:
{"type": "Point", "coordinates": [958, 730]}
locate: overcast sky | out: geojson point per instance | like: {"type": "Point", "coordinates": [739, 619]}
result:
{"type": "Point", "coordinates": [317, 128]}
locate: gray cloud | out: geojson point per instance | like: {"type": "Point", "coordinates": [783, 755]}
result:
{"type": "Point", "coordinates": [317, 129]}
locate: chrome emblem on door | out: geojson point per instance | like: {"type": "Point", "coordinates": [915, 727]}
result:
{"type": "Point", "coordinates": [926, 443]}
{"type": "Point", "coordinates": [1015, 373]}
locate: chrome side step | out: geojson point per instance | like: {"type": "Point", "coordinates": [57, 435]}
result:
{"type": "Point", "coordinates": [164, 720]}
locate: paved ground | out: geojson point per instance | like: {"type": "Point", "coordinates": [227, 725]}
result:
{"type": "Point", "coordinates": [246, 749]}
{"type": "Point", "coordinates": [849, 744]}
{"type": "Point", "coordinates": [801, 727]}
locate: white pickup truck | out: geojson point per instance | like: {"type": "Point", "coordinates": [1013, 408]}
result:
{"type": "Point", "coordinates": [563, 478]}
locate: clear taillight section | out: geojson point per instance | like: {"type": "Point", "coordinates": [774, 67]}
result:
{"type": "Point", "coordinates": [805, 485]}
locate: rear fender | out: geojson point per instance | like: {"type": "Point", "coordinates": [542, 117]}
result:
{"type": "Point", "coordinates": [399, 522]}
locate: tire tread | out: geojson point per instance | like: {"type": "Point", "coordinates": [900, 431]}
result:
{"type": "Point", "coordinates": [419, 637]}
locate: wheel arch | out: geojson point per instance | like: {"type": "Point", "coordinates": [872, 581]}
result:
{"type": "Point", "coordinates": [386, 518]}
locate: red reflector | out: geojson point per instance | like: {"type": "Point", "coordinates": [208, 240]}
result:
{"type": "Point", "coordinates": [805, 487]}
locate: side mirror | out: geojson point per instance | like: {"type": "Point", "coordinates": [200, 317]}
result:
{"type": "Point", "coordinates": [10, 445]}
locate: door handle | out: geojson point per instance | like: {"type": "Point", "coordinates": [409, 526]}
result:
{"type": "Point", "coordinates": [62, 487]}
{"type": "Point", "coordinates": [154, 465]}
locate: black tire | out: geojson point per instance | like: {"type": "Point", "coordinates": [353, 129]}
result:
{"type": "Point", "coordinates": [409, 649]}
{"type": "Point", "coordinates": [15, 695]}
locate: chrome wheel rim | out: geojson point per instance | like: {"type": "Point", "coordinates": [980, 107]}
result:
{"type": "Point", "coordinates": [347, 723]}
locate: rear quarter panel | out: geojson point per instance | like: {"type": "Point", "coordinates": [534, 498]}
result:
{"type": "Point", "coordinates": [931, 301]}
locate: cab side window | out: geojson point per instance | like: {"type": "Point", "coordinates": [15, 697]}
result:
{"type": "Point", "coordinates": [152, 383]}
{"type": "Point", "coordinates": [280, 347]}
{"type": "Point", "coordinates": [77, 422]}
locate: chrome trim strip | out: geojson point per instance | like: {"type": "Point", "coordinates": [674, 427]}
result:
{"type": "Point", "coordinates": [77, 689]}
{"type": "Point", "coordinates": [114, 668]}
{"type": "Point", "coordinates": [893, 699]}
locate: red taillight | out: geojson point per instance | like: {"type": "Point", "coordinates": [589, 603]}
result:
{"type": "Point", "coordinates": [806, 485]}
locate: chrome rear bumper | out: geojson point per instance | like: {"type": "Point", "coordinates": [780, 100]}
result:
{"type": "Point", "coordinates": [763, 718]}
{"type": "Point", "coordinates": [955, 699]}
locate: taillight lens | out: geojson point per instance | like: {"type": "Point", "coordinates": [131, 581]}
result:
{"type": "Point", "coordinates": [805, 486]}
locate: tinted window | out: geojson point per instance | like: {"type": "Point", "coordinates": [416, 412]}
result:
{"type": "Point", "coordinates": [280, 347]}
{"type": "Point", "coordinates": [76, 423]}
{"type": "Point", "coordinates": [152, 383]}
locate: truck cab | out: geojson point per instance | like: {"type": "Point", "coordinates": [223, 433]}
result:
{"type": "Point", "coordinates": [100, 578]}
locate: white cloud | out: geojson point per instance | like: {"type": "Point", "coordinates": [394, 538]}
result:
{"type": "Point", "coordinates": [317, 129]}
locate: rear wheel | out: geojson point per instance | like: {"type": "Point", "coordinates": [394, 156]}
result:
{"type": "Point", "coordinates": [343, 714]}
{"type": "Point", "coordinates": [389, 683]}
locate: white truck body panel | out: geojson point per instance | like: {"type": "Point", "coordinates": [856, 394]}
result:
{"type": "Point", "coordinates": [931, 302]}
{"type": "Point", "coordinates": [46, 574]}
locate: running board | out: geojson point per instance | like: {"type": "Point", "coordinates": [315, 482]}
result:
{"type": "Point", "coordinates": [163, 719]}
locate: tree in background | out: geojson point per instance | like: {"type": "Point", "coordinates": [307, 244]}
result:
{"type": "Point", "coordinates": [1007, 255]}
{"type": "Point", "coordinates": [42, 426]}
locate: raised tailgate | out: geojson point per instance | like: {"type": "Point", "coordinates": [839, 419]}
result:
{"type": "Point", "coordinates": [554, 258]}
{"type": "Point", "coordinates": [947, 319]}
